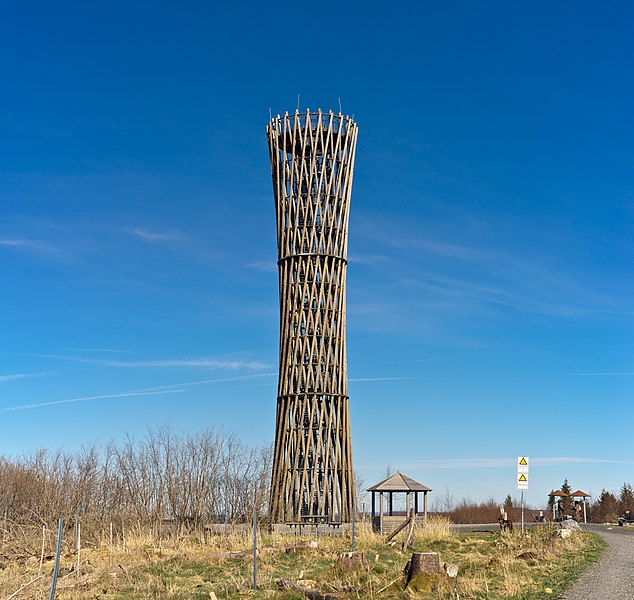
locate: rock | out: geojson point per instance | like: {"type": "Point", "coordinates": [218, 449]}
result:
{"type": "Point", "coordinates": [564, 533]}
{"type": "Point", "coordinates": [570, 524]}
{"type": "Point", "coordinates": [451, 570]}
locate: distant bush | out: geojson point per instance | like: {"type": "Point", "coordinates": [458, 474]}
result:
{"type": "Point", "coordinates": [467, 511]}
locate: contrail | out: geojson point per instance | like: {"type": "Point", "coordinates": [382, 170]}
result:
{"type": "Point", "coordinates": [163, 389]}
{"type": "Point", "coordinates": [85, 398]}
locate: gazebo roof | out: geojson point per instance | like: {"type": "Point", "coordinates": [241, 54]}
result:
{"type": "Point", "coordinates": [580, 494]}
{"type": "Point", "coordinates": [399, 483]}
{"type": "Point", "coordinates": [560, 493]}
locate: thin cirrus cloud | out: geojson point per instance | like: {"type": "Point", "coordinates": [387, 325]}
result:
{"type": "Point", "coordinates": [197, 362]}
{"type": "Point", "coordinates": [494, 275]}
{"type": "Point", "coordinates": [156, 237]}
{"type": "Point", "coordinates": [365, 379]}
{"type": "Point", "coordinates": [16, 376]}
{"type": "Point", "coordinates": [87, 398]}
{"type": "Point", "coordinates": [203, 363]}
{"type": "Point", "coordinates": [264, 266]}
{"type": "Point", "coordinates": [497, 463]}
{"type": "Point", "coordinates": [34, 246]}
{"type": "Point", "coordinates": [501, 280]}
{"type": "Point", "coordinates": [180, 243]}
{"type": "Point", "coordinates": [175, 388]}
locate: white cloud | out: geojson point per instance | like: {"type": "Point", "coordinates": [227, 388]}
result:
{"type": "Point", "coordinates": [156, 237]}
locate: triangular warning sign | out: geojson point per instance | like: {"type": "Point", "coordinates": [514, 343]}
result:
{"type": "Point", "coordinates": [523, 461]}
{"type": "Point", "coordinates": [523, 477]}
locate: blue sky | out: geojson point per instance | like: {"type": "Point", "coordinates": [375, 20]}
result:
{"type": "Point", "coordinates": [490, 280]}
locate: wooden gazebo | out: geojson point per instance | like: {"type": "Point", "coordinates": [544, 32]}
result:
{"type": "Point", "coordinates": [582, 496]}
{"type": "Point", "coordinates": [397, 483]}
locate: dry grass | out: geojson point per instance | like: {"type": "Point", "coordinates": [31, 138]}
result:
{"type": "Point", "coordinates": [179, 567]}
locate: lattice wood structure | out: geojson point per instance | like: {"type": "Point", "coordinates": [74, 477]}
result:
{"type": "Point", "coordinates": [312, 162]}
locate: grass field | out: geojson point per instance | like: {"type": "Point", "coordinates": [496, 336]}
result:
{"type": "Point", "coordinates": [536, 564]}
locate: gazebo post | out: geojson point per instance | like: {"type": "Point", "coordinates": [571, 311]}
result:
{"type": "Point", "coordinates": [584, 510]}
{"type": "Point", "coordinates": [407, 504]}
{"type": "Point", "coordinates": [415, 503]}
{"type": "Point", "coordinates": [373, 511]}
{"type": "Point", "coordinates": [381, 513]}
{"type": "Point", "coordinates": [425, 506]}
{"type": "Point", "coordinates": [391, 504]}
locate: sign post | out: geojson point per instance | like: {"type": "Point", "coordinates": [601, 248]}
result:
{"type": "Point", "coordinates": [522, 480]}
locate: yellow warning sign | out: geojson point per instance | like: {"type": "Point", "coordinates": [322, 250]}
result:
{"type": "Point", "coordinates": [522, 477]}
{"type": "Point", "coordinates": [523, 461]}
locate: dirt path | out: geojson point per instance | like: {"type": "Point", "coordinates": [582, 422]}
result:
{"type": "Point", "coordinates": [613, 576]}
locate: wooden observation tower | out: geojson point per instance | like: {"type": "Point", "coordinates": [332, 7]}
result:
{"type": "Point", "coordinates": [312, 162]}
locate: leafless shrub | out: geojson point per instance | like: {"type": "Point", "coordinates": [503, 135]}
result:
{"type": "Point", "coordinates": [165, 480]}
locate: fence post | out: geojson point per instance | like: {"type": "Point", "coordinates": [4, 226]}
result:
{"type": "Point", "coordinates": [78, 546]}
{"type": "Point", "coordinates": [354, 518]}
{"type": "Point", "coordinates": [255, 551]}
{"type": "Point", "coordinates": [60, 527]}
{"type": "Point", "coordinates": [39, 571]}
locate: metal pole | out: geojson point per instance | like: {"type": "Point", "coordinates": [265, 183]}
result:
{"type": "Point", "coordinates": [255, 551]}
{"type": "Point", "coordinates": [353, 521]}
{"type": "Point", "coordinates": [60, 527]}
{"type": "Point", "coordinates": [584, 511]}
{"type": "Point", "coordinates": [522, 502]}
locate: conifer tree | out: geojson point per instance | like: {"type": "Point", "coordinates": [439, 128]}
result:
{"type": "Point", "coordinates": [626, 498]}
{"type": "Point", "coordinates": [566, 501]}
{"type": "Point", "coordinates": [605, 509]}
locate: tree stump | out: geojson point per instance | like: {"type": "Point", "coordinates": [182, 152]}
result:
{"type": "Point", "coordinates": [352, 561]}
{"type": "Point", "coordinates": [421, 562]}
{"type": "Point", "coordinates": [303, 548]}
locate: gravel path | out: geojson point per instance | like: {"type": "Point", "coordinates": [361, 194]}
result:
{"type": "Point", "coordinates": [612, 578]}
